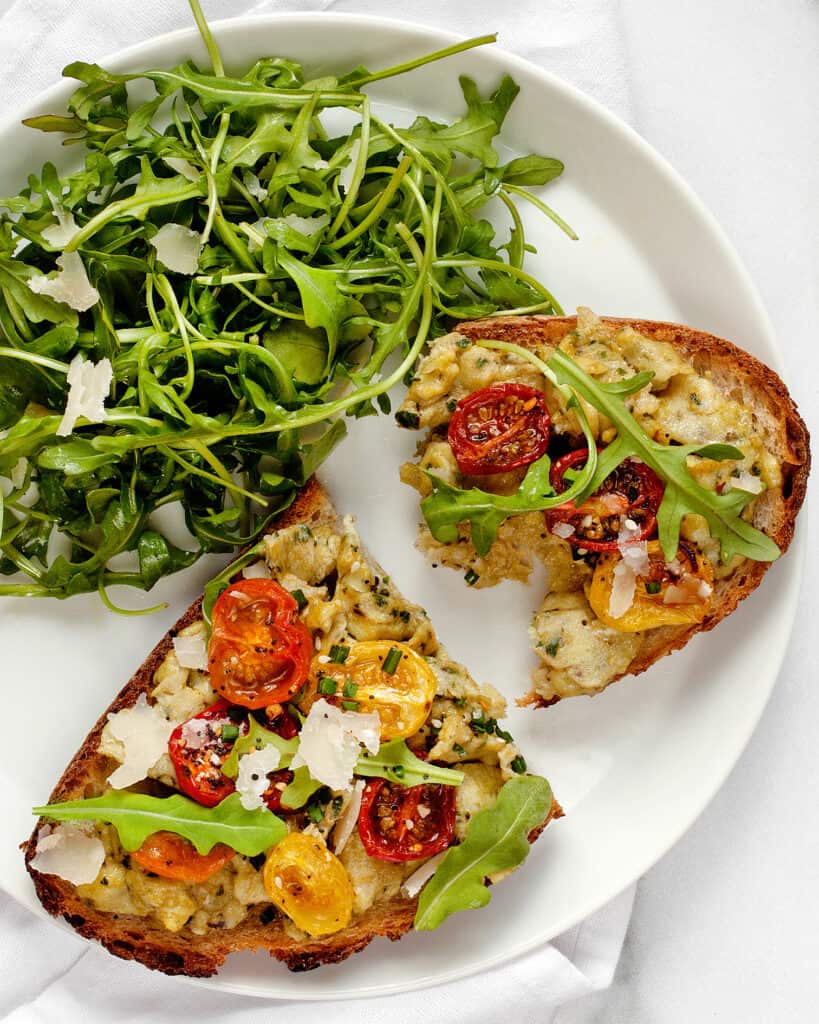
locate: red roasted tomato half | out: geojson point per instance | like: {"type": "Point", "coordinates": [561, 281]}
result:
{"type": "Point", "coordinates": [631, 491]}
{"type": "Point", "coordinates": [260, 650]}
{"type": "Point", "coordinates": [399, 823]}
{"type": "Point", "coordinates": [199, 747]}
{"type": "Point", "coordinates": [499, 428]}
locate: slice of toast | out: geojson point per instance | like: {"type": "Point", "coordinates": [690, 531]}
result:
{"type": "Point", "coordinates": [739, 380]}
{"type": "Point", "coordinates": [146, 939]}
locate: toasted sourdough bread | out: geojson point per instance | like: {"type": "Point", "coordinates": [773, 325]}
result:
{"type": "Point", "coordinates": [736, 375]}
{"type": "Point", "coordinates": [145, 940]}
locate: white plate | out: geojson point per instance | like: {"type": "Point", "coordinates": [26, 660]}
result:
{"type": "Point", "coordinates": [634, 767]}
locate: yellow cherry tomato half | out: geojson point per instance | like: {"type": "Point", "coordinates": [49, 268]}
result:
{"type": "Point", "coordinates": [676, 593]}
{"type": "Point", "coordinates": [377, 675]}
{"type": "Point", "coordinates": [309, 884]}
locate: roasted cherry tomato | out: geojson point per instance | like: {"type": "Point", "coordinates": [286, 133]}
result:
{"type": "Point", "coordinates": [309, 884]}
{"type": "Point", "coordinates": [499, 428]}
{"type": "Point", "coordinates": [172, 856]}
{"type": "Point", "coordinates": [631, 491]}
{"type": "Point", "coordinates": [672, 593]}
{"type": "Point", "coordinates": [198, 749]}
{"type": "Point", "coordinates": [376, 675]}
{"type": "Point", "coordinates": [260, 650]}
{"type": "Point", "coordinates": [399, 823]}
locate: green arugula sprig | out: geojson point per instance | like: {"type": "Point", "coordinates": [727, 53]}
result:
{"type": "Point", "coordinates": [321, 258]}
{"type": "Point", "coordinates": [497, 840]}
{"type": "Point", "coordinates": [136, 816]}
{"type": "Point", "coordinates": [448, 506]}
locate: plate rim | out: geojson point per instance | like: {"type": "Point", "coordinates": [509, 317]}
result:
{"type": "Point", "coordinates": [775, 357]}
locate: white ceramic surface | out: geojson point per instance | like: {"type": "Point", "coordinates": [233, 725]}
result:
{"type": "Point", "coordinates": [633, 767]}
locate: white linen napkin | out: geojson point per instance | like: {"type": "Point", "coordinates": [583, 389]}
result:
{"type": "Point", "coordinates": [46, 975]}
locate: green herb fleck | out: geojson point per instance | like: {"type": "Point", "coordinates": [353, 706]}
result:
{"type": "Point", "coordinates": [338, 654]}
{"type": "Point", "coordinates": [392, 661]}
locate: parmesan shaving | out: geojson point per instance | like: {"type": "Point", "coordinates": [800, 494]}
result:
{"type": "Point", "coordinates": [348, 818]}
{"type": "Point", "coordinates": [69, 851]}
{"type": "Point", "coordinates": [634, 562]}
{"type": "Point", "coordinates": [252, 781]}
{"type": "Point", "coordinates": [88, 387]}
{"type": "Point", "coordinates": [345, 178]}
{"type": "Point", "coordinates": [178, 248]}
{"type": "Point", "coordinates": [143, 732]}
{"type": "Point", "coordinates": [254, 186]}
{"type": "Point", "coordinates": [563, 530]}
{"type": "Point", "coordinates": [330, 743]}
{"type": "Point", "coordinates": [418, 879]}
{"type": "Point", "coordinates": [70, 285]}
{"type": "Point", "coordinates": [256, 571]}
{"type": "Point", "coordinates": [307, 226]}
{"type": "Point", "coordinates": [689, 590]}
{"type": "Point", "coordinates": [191, 651]}
{"type": "Point", "coordinates": [60, 234]}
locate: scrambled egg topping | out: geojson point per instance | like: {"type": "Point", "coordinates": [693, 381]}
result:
{"type": "Point", "coordinates": [348, 598]}
{"type": "Point", "coordinates": [578, 653]}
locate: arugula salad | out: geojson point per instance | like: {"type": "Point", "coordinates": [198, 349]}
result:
{"type": "Point", "coordinates": [186, 316]}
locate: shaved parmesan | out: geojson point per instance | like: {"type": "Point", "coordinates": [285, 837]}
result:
{"type": "Point", "coordinates": [183, 167]}
{"type": "Point", "coordinates": [634, 562]}
{"type": "Point", "coordinates": [330, 743]}
{"type": "Point", "coordinates": [418, 879]}
{"type": "Point", "coordinates": [256, 571]}
{"type": "Point", "coordinates": [689, 590]}
{"type": "Point", "coordinates": [191, 651]}
{"type": "Point", "coordinates": [143, 732]}
{"type": "Point", "coordinates": [348, 818]}
{"type": "Point", "coordinates": [748, 482]}
{"type": "Point", "coordinates": [61, 233]}
{"type": "Point", "coordinates": [70, 285]}
{"type": "Point", "coordinates": [345, 178]}
{"type": "Point", "coordinates": [178, 248]}
{"type": "Point", "coordinates": [69, 851]}
{"type": "Point", "coordinates": [252, 781]}
{"type": "Point", "coordinates": [88, 387]}
{"type": "Point", "coordinates": [563, 530]}
{"type": "Point", "coordinates": [254, 186]}
{"type": "Point", "coordinates": [196, 734]}
{"type": "Point", "coordinates": [307, 226]}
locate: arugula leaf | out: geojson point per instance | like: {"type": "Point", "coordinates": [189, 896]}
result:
{"type": "Point", "coordinates": [298, 792]}
{"type": "Point", "coordinates": [397, 763]}
{"type": "Point", "coordinates": [137, 816]}
{"type": "Point", "coordinates": [220, 377]}
{"type": "Point", "coordinates": [497, 840]}
{"type": "Point", "coordinates": [448, 506]}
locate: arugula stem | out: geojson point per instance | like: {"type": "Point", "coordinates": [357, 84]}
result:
{"type": "Point", "coordinates": [32, 357]}
{"type": "Point", "coordinates": [411, 65]}
{"type": "Point", "coordinates": [544, 209]}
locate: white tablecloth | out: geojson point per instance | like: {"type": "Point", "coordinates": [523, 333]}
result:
{"type": "Point", "coordinates": [723, 927]}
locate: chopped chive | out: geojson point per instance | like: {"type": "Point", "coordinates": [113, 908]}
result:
{"type": "Point", "coordinates": [392, 661]}
{"type": "Point", "coordinates": [303, 533]}
{"type": "Point", "coordinates": [653, 587]}
{"type": "Point", "coordinates": [338, 654]}
{"type": "Point", "coordinates": [459, 749]}
{"type": "Point", "coordinates": [451, 405]}
{"type": "Point", "coordinates": [463, 343]}
{"type": "Point", "coordinates": [300, 599]}
{"type": "Point", "coordinates": [338, 802]}
{"type": "Point", "coordinates": [502, 734]}
{"type": "Point", "coordinates": [552, 646]}
{"type": "Point", "coordinates": [230, 732]}
{"type": "Point", "coordinates": [327, 685]}
{"type": "Point", "coordinates": [471, 577]}
{"type": "Point", "coordinates": [350, 688]}
{"type": "Point", "coordinates": [315, 812]}
{"type": "Point", "coordinates": [518, 765]}
{"type": "Point", "coordinates": [350, 705]}
{"type": "Point", "coordinates": [410, 420]}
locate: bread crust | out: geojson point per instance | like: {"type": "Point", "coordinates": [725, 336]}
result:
{"type": "Point", "coordinates": [733, 371]}
{"type": "Point", "coordinates": [137, 938]}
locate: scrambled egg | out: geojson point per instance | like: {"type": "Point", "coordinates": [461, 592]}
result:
{"type": "Point", "coordinates": [349, 598]}
{"type": "Point", "coordinates": [578, 653]}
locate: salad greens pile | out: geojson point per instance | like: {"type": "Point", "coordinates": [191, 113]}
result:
{"type": "Point", "coordinates": [448, 506]}
{"type": "Point", "coordinates": [246, 274]}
